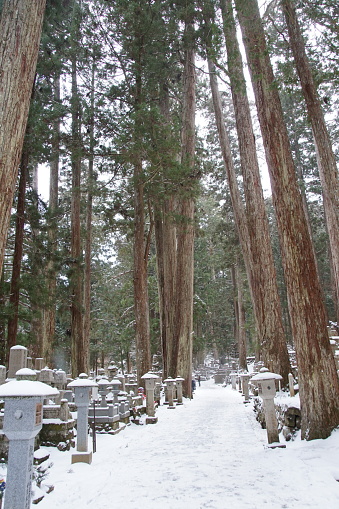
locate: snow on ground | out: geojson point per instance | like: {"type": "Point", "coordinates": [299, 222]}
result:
{"type": "Point", "coordinates": [208, 453]}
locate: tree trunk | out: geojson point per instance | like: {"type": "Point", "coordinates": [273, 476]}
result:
{"type": "Point", "coordinates": [14, 297]}
{"type": "Point", "coordinates": [325, 156]}
{"type": "Point", "coordinates": [165, 238]}
{"type": "Point", "coordinates": [76, 272]}
{"type": "Point", "coordinates": [20, 31]}
{"type": "Point", "coordinates": [266, 304]}
{"type": "Point", "coordinates": [88, 239]}
{"type": "Point", "coordinates": [142, 326]}
{"type": "Point", "coordinates": [165, 241]}
{"type": "Point", "coordinates": [318, 379]}
{"type": "Point", "coordinates": [49, 311]}
{"type": "Point", "coordinates": [185, 231]}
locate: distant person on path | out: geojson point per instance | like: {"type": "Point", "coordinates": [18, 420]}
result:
{"type": "Point", "coordinates": [199, 380]}
{"type": "Point", "coordinates": [194, 385]}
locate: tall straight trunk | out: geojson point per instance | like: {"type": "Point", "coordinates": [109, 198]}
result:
{"type": "Point", "coordinates": [14, 297]}
{"type": "Point", "coordinates": [185, 231]}
{"type": "Point", "coordinates": [165, 242]}
{"type": "Point", "coordinates": [50, 310]}
{"type": "Point", "coordinates": [76, 272]}
{"type": "Point", "coordinates": [318, 379]}
{"type": "Point", "coordinates": [38, 305]}
{"type": "Point", "coordinates": [266, 304]}
{"type": "Point", "coordinates": [328, 171]}
{"type": "Point", "coordinates": [165, 239]}
{"type": "Point", "coordinates": [141, 303]}
{"type": "Point", "coordinates": [140, 251]}
{"type": "Point", "coordinates": [20, 31]}
{"type": "Point", "coordinates": [88, 239]}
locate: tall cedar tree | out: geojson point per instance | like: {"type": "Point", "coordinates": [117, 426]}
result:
{"type": "Point", "coordinates": [318, 379]}
{"type": "Point", "coordinates": [266, 302]}
{"type": "Point", "coordinates": [325, 156]}
{"type": "Point", "coordinates": [78, 360]}
{"type": "Point", "coordinates": [20, 32]}
{"type": "Point", "coordinates": [183, 341]}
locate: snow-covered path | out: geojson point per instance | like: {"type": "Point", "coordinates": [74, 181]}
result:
{"type": "Point", "coordinates": [209, 453]}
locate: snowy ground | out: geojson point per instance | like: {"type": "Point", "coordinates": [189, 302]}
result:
{"type": "Point", "coordinates": [209, 453]}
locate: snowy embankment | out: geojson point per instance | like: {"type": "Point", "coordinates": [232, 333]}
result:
{"type": "Point", "coordinates": [209, 453]}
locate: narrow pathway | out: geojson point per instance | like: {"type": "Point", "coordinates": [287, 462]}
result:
{"type": "Point", "coordinates": [208, 453]}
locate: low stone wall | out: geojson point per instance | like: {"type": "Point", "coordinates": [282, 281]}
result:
{"type": "Point", "coordinates": [288, 415]}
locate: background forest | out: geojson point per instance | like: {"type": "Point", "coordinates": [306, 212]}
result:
{"type": "Point", "coordinates": [106, 129]}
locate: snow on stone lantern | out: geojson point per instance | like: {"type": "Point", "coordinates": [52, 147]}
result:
{"type": "Point", "coordinates": [22, 422]}
{"type": "Point", "coordinates": [179, 381]}
{"type": "Point", "coordinates": [170, 384]}
{"type": "Point", "coordinates": [150, 381]}
{"type": "Point", "coordinates": [265, 381]}
{"type": "Point", "coordinates": [82, 392]}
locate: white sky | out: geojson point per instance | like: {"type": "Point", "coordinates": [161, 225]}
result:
{"type": "Point", "coordinates": [209, 453]}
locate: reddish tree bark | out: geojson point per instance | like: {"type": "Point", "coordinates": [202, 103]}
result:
{"type": "Point", "coordinates": [318, 379]}
{"type": "Point", "coordinates": [20, 32]}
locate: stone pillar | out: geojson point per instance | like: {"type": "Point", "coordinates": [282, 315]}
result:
{"type": "Point", "coordinates": [150, 381]}
{"type": "Point", "coordinates": [179, 382]}
{"type": "Point", "coordinates": [39, 363]}
{"type": "Point", "coordinates": [267, 389]}
{"type": "Point", "coordinates": [82, 389]}
{"type": "Point", "coordinates": [22, 422]}
{"type": "Point", "coordinates": [2, 374]}
{"type": "Point", "coordinates": [17, 359]}
{"type": "Point", "coordinates": [170, 389]}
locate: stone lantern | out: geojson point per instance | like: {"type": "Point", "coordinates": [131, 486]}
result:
{"type": "Point", "coordinates": [112, 371]}
{"type": "Point", "coordinates": [116, 386]}
{"type": "Point", "coordinates": [179, 380]}
{"type": "Point", "coordinates": [22, 422]}
{"type": "Point", "coordinates": [170, 384]}
{"type": "Point", "coordinates": [265, 382]}
{"type": "Point", "coordinates": [82, 392]}
{"type": "Point", "coordinates": [150, 381]}
{"type": "Point", "coordinates": [103, 387]}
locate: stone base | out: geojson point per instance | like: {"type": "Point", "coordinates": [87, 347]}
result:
{"type": "Point", "coordinates": [170, 406]}
{"type": "Point", "coordinates": [151, 420]}
{"type": "Point", "coordinates": [82, 457]}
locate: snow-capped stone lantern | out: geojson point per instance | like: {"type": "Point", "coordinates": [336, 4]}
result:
{"type": "Point", "coordinates": [22, 422]}
{"type": "Point", "coordinates": [104, 386]}
{"type": "Point", "coordinates": [150, 381]}
{"type": "Point", "coordinates": [179, 381]}
{"type": "Point", "coordinates": [116, 387]}
{"type": "Point", "coordinates": [82, 392]}
{"type": "Point", "coordinates": [265, 381]}
{"type": "Point", "coordinates": [170, 384]}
